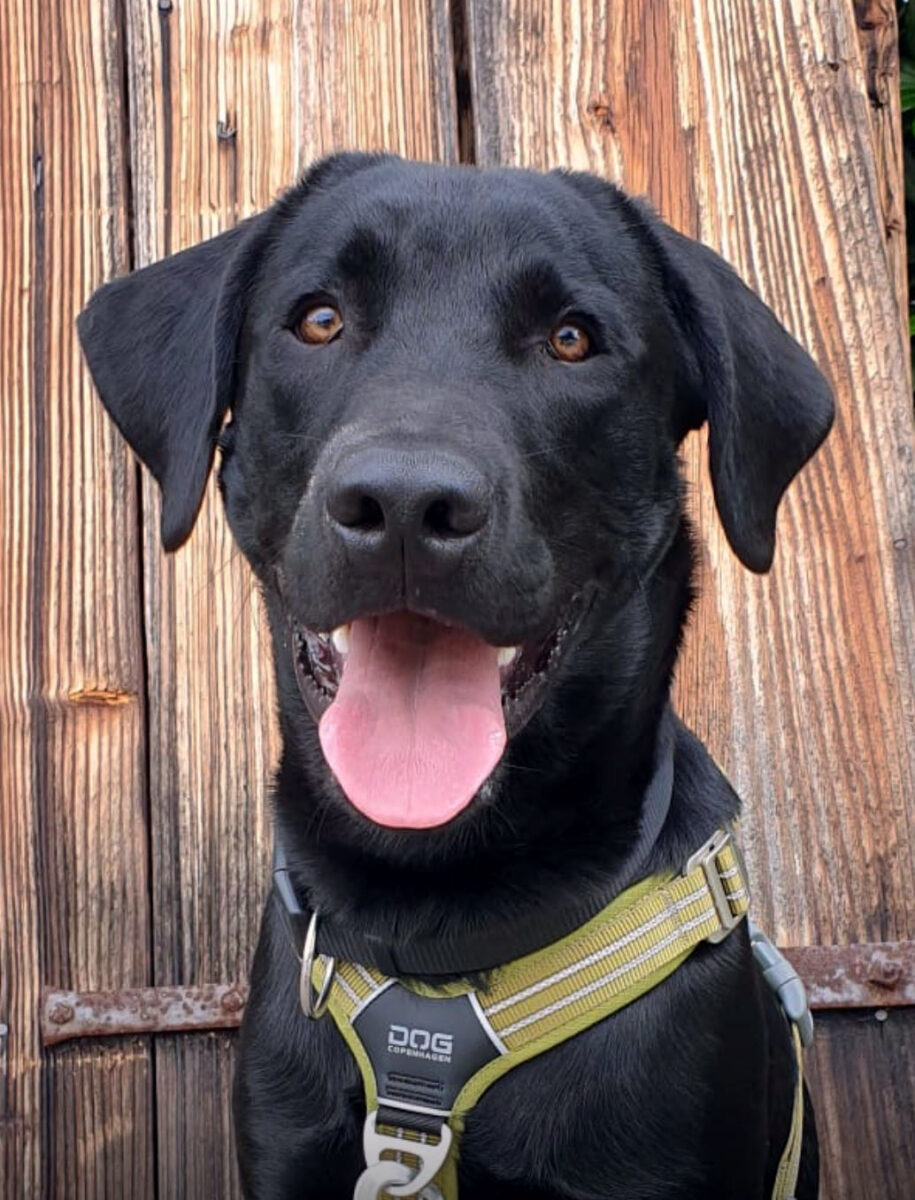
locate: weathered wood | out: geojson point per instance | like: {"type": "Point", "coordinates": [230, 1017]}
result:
{"type": "Point", "coordinates": [861, 1071]}
{"type": "Point", "coordinates": [73, 847]}
{"type": "Point", "coordinates": [749, 126]}
{"type": "Point", "coordinates": [228, 109]}
{"type": "Point", "coordinates": [879, 54]}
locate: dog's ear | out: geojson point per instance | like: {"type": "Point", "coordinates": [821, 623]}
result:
{"type": "Point", "coordinates": [161, 347]}
{"type": "Point", "coordinates": [767, 405]}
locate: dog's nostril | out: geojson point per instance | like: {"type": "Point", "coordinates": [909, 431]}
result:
{"type": "Point", "coordinates": [452, 518]}
{"type": "Point", "coordinates": [355, 509]}
{"type": "Point", "coordinates": [370, 516]}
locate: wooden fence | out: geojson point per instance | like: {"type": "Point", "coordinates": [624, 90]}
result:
{"type": "Point", "coordinates": [136, 737]}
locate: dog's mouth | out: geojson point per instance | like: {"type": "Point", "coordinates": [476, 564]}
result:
{"type": "Point", "coordinates": [414, 714]}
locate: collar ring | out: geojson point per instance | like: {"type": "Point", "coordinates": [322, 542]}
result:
{"type": "Point", "coordinates": [314, 1005]}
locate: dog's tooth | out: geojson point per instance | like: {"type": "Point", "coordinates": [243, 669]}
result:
{"type": "Point", "coordinates": [507, 655]}
{"type": "Point", "coordinates": [340, 639]}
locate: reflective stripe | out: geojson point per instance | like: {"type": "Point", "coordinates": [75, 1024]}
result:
{"type": "Point", "coordinates": [346, 987]}
{"type": "Point", "coordinates": [598, 955]}
{"type": "Point", "coordinates": [626, 969]}
{"type": "Point", "coordinates": [367, 1000]}
{"type": "Point", "coordinates": [367, 977]}
{"type": "Point", "coordinates": [485, 1025]}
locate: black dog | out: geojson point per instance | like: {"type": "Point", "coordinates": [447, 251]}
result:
{"type": "Point", "coordinates": [456, 398]}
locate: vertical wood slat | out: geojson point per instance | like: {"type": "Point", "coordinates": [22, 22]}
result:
{"type": "Point", "coordinates": [73, 845]}
{"type": "Point", "coordinates": [230, 101]}
{"type": "Point", "coordinates": [749, 127]}
{"type": "Point", "coordinates": [861, 1071]}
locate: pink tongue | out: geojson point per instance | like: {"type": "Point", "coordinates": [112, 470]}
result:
{"type": "Point", "coordinates": [416, 726]}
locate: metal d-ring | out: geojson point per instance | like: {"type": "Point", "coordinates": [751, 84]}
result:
{"type": "Point", "coordinates": [311, 1007]}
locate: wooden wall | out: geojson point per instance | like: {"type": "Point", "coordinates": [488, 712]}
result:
{"type": "Point", "coordinates": [134, 831]}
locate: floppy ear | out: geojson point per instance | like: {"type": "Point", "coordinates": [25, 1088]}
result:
{"type": "Point", "coordinates": [767, 405]}
{"type": "Point", "coordinates": [161, 346]}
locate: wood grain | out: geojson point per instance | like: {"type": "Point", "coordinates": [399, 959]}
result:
{"type": "Point", "coordinates": [73, 846]}
{"type": "Point", "coordinates": [861, 1072]}
{"type": "Point", "coordinates": [230, 102]}
{"type": "Point", "coordinates": [879, 56]}
{"type": "Point", "coordinates": [749, 126]}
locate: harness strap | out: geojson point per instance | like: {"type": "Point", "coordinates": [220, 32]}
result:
{"type": "Point", "coordinates": [426, 1054]}
{"type": "Point", "coordinates": [790, 1163]}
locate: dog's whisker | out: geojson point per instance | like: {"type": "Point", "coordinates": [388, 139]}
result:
{"type": "Point", "coordinates": [544, 450]}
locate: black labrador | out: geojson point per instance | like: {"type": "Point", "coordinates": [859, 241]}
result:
{"type": "Point", "coordinates": [448, 403]}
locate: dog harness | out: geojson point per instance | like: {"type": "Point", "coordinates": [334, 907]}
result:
{"type": "Point", "coordinates": [428, 1053]}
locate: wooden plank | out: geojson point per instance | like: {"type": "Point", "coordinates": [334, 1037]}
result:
{"type": "Point", "coordinates": [861, 1071]}
{"type": "Point", "coordinates": [879, 55]}
{"type": "Point", "coordinates": [228, 108]}
{"type": "Point", "coordinates": [749, 126]}
{"type": "Point", "coordinates": [73, 846]}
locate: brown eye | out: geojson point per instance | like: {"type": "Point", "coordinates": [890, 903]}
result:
{"type": "Point", "coordinates": [320, 325]}
{"type": "Point", "coordinates": [569, 343]}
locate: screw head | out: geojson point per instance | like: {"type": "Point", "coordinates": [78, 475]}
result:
{"type": "Point", "coordinates": [232, 1001]}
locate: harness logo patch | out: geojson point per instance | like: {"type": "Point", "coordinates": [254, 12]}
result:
{"type": "Point", "coordinates": [420, 1043]}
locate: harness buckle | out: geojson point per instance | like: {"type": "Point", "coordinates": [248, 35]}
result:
{"type": "Point", "coordinates": [784, 981]}
{"type": "Point", "coordinates": [314, 1007]}
{"type": "Point", "coordinates": [706, 857]}
{"type": "Point", "coordinates": [388, 1175]}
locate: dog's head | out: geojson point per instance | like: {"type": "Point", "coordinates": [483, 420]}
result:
{"type": "Point", "coordinates": [448, 403]}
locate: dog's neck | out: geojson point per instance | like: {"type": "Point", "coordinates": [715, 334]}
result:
{"type": "Point", "coordinates": [562, 824]}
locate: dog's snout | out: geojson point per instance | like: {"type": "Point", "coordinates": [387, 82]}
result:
{"type": "Point", "coordinates": [407, 502]}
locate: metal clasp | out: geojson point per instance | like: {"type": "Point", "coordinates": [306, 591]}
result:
{"type": "Point", "coordinates": [314, 1008]}
{"type": "Point", "coordinates": [705, 857]}
{"type": "Point", "coordinates": [387, 1175]}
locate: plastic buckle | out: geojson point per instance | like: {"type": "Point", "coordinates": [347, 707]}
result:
{"type": "Point", "coordinates": [705, 857]}
{"type": "Point", "coordinates": [784, 981]}
{"type": "Point", "coordinates": [388, 1175]}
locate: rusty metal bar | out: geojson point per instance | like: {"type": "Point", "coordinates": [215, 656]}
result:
{"type": "Point", "coordinates": [870, 975]}
{"type": "Point", "coordinates": [876, 975]}
{"type": "Point", "coordinates": [126, 1011]}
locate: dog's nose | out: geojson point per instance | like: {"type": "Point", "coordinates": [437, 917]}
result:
{"type": "Point", "coordinates": [428, 503]}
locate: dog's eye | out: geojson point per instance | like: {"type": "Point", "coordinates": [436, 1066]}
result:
{"type": "Point", "coordinates": [569, 342]}
{"type": "Point", "coordinates": [320, 325]}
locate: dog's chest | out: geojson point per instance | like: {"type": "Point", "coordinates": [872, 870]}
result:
{"type": "Point", "coordinates": [631, 1107]}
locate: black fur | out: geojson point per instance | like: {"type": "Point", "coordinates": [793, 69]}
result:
{"type": "Point", "coordinates": [450, 280]}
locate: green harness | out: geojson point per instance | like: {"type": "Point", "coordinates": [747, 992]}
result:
{"type": "Point", "coordinates": [427, 1054]}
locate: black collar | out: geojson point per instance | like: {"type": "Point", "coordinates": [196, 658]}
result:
{"type": "Point", "coordinates": [481, 949]}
